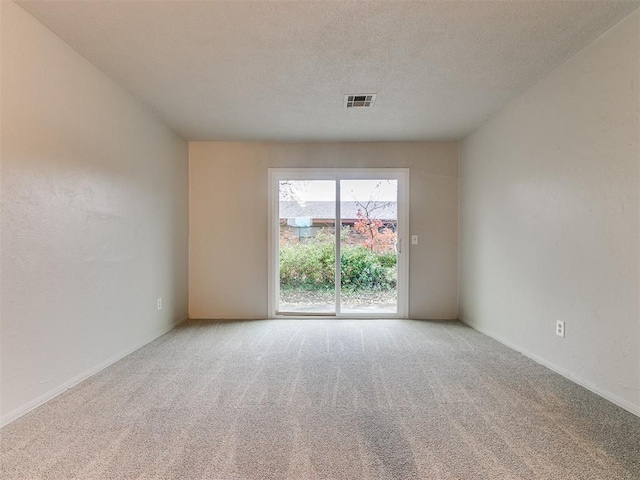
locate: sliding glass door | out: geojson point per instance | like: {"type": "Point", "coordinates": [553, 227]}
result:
{"type": "Point", "coordinates": [369, 246]}
{"type": "Point", "coordinates": [336, 242]}
{"type": "Point", "coordinates": [306, 246]}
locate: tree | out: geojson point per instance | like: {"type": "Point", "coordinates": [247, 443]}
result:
{"type": "Point", "coordinates": [378, 237]}
{"type": "Point", "coordinates": [290, 189]}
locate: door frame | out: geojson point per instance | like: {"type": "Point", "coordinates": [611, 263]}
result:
{"type": "Point", "coordinates": [276, 174]}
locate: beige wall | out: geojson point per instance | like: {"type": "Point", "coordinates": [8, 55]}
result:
{"type": "Point", "coordinates": [228, 193]}
{"type": "Point", "coordinates": [549, 216]}
{"type": "Point", "coordinates": [94, 217]}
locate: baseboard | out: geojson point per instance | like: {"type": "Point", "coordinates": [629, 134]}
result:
{"type": "Point", "coordinates": [228, 318]}
{"type": "Point", "coordinates": [620, 402]}
{"type": "Point", "coordinates": [42, 399]}
{"type": "Point", "coordinates": [447, 318]}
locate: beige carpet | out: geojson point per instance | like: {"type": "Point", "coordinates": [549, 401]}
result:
{"type": "Point", "coordinates": [334, 399]}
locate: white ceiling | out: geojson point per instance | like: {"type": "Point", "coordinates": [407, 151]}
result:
{"type": "Point", "coordinates": [278, 70]}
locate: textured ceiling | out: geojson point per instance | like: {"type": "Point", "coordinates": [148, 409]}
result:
{"type": "Point", "coordinates": [278, 70]}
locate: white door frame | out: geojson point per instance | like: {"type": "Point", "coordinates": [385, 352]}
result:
{"type": "Point", "coordinates": [400, 174]}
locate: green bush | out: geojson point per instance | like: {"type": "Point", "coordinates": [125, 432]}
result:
{"type": "Point", "coordinates": [388, 260]}
{"type": "Point", "coordinates": [310, 266]}
{"type": "Point", "coordinates": [307, 265]}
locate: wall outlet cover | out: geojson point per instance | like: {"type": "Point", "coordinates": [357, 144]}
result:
{"type": "Point", "coordinates": [560, 328]}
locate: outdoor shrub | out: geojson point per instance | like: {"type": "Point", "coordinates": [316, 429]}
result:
{"type": "Point", "coordinates": [307, 265]}
{"type": "Point", "coordinates": [363, 269]}
{"type": "Point", "coordinates": [310, 266]}
{"type": "Point", "coordinates": [388, 260]}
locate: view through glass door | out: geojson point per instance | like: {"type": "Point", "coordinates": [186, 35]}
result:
{"type": "Point", "coordinates": [369, 246]}
{"type": "Point", "coordinates": [337, 244]}
{"type": "Point", "coordinates": [307, 251]}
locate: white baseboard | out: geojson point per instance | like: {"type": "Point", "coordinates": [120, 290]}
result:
{"type": "Point", "coordinates": [42, 399]}
{"type": "Point", "coordinates": [621, 402]}
{"type": "Point", "coordinates": [228, 318]}
{"type": "Point", "coordinates": [448, 318]}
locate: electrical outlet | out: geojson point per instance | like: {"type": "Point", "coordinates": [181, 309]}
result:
{"type": "Point", "coordinates": [159, 304]}
{"type": "Point", "coordinates": [560, 328]}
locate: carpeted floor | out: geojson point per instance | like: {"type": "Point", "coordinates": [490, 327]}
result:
{"type": "Point", "coordinates": [324, 399]}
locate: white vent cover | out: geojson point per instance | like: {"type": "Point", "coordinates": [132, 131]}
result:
{"type": "Point", "coordinates": [360, 100]}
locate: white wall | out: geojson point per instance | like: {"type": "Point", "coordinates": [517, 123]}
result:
{"type": "Point", "coordinates": [228, 220]}
{"type": "Point", "coordinates": [94, 217]}
{"type": "Point", "coordinates": [549, 216]}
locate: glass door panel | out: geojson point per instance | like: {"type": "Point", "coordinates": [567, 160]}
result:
{"type": "Point", "coordinates": [306, 250]}
{"type": "Point", "coordinates": [368, 246]}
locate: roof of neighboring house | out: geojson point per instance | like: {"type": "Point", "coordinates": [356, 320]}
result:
{"type": "Point", "coordinates": [348, 210]}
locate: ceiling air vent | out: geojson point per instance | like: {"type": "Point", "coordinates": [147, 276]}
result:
{"type": "Point", "coordinates": [360, 100]}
